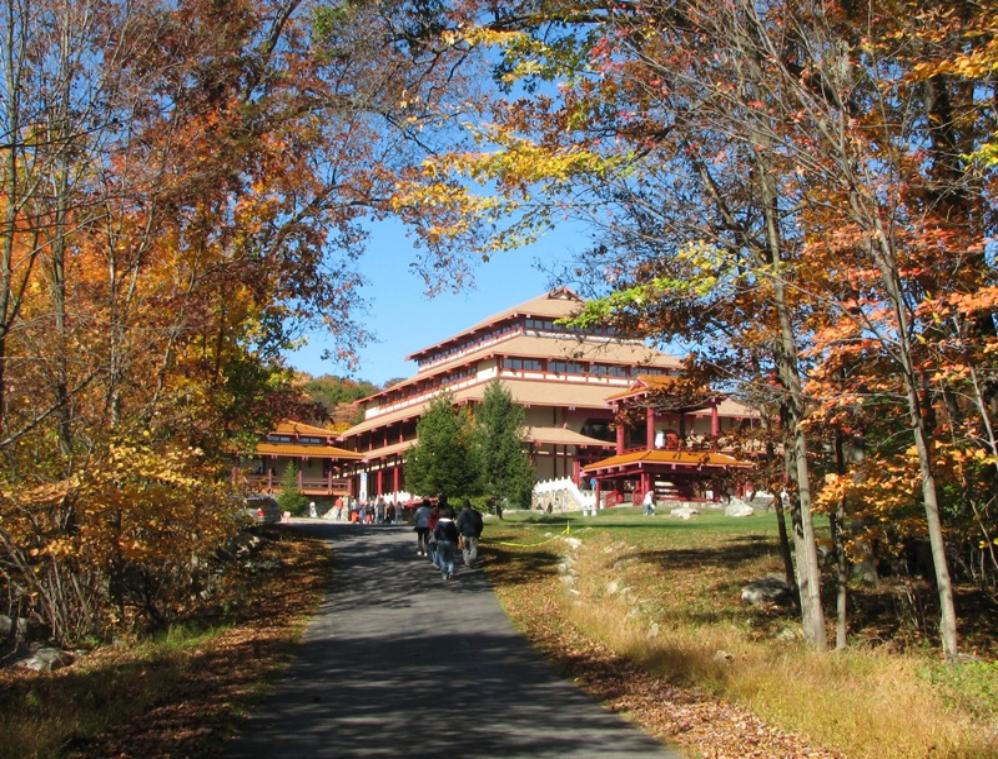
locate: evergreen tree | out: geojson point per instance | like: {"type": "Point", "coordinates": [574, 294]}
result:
{"type": "Point", "coordinates": [291, 498]}
{"type": "Point", "coordinates": [444, 461]}
{"type": "Point", "coordinates": [506, 469]}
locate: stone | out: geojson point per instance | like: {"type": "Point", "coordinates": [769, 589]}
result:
{"type": "Point", "coordinates": [789, 633]}
{"type": "Point", "coordinates": [573, 543]}
{"type": "Point", "coordinates": [613, 587]}
{"type": "Point", "coordinates": [46, 659]}
{"type": "Point", "coordinates": [738, 508]}
{"type": "Point", "coordinates": [768, 589]}
{"type": "Point", "coordinates": [684, 512]}
{"type": "Point", "coordinates": [723, 657]}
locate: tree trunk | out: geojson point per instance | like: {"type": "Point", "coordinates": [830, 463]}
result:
{"type": "Point", "coordinates": [808, 572]}
{"type": "Point", "coordinates": [837, 523]}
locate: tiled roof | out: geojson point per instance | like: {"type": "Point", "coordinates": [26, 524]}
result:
{"type": "Point", "coordinates": [555, 304]}
{"type": "Point", "coordinates": [729, 407]}
{"type": "Point", "coordinates": [524, 392]}
{"type": "Point", "coordinates": [312, 451]}
{"type": "Point", "coordinates": [563, 436]}
{"type": "Point", "coordinates": [663, 457]}
{"type": "Point", "coordinates": [559, 348]}
{"type": "Point", "coordinates": [388, 450]}
{"type": "Point", "coordinates": [291, 427]}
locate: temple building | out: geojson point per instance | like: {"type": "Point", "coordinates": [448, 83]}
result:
{"type": "Point", "coordinates": [673, 445]}
{"type": "Point", "coordinates": [320, 466]}
{"type": "Point", "coordinates": [565, 378]}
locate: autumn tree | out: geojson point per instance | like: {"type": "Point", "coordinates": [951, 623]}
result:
{"type": "Point", "coordinates": [779, 184]}
{"type": "Point", "coordinates": [183, 191]}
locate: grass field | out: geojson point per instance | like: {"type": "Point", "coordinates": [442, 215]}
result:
{"type": "Point", "coordinates": [663, 596]}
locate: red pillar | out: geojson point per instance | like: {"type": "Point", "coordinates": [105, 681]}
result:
{"type": "Point", "coordinates": [270, 474]}
{"type": "Point", "coordinates": [649, 428]}
{"type": "Point", "coordinates": [576, 468]}
{"type": "Point", "coordinates": [381, 479]}
{"type": "Point", "coordinates": [645, 483]}
{"type": "Point", "coordinates": [620, 438]}
{"type": "Point", "coordinates": [596, 491]}
{"type": "Point", "coordinates": [395, 477]}
{"type": "Point", "coordinates": [715, 423]}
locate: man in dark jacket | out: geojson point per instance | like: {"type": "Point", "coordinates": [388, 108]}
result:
{"type": "Point", "coordinates": [469, 524]}
{"type": "Point", "coordinates": [446, 534]}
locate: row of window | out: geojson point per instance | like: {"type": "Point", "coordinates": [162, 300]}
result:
{"type": "Point", "coordinates": [471, 343]}
{"type": "Point", "coordinates": [531, 323]}
{"type": "Point", "coordinates": [463, 373]}
{"type": "Point", "coordinates": [272, 438]}
{"type": "Point", "coordinates": [576, 367]}
{"type": "Point", "coordinates": [525, 365]}
{"type": "Point", "coordinates": [551, 325]}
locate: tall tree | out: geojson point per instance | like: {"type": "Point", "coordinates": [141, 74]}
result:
{"type": "Point", "coordinates": [499, 438]}
{"type": "Point", "coordinates": [444, 460]}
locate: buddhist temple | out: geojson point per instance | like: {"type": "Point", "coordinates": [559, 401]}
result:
{"type": "Point", "coordinates": [320, 465]}
{"type": "Point", "coordinates": [564, 377]}
{"type": "Point", "coordinates": [672, 442]}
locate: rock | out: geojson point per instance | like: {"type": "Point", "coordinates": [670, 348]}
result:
{"type": "Point", "coordinates": [573, 543]}
{"type": "Point", "coordinates": [613, 587]}
{"type": "Point", "coordinates": [723, 657]}
{"type": "Point", "coordinates": [789, 633]}
{"type": "Point", "coordinates": [653, 629]}
{"type": "Point", "coordinates": [738, 508]}
{"type": "Point", "coordinates": [684, 512]}
{"type": "Point", "coordinates": [769, 589]}
{"type": "Point", "coordinates": [46, 659]}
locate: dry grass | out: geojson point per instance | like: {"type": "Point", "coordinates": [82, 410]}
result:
{"type": "Point", "coordinates": [178, 694]}
{"type": "Point", "coordinates": [667, 602]}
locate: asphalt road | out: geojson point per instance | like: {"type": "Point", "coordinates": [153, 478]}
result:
{"type": "Point", "coordinates": [400, 663]}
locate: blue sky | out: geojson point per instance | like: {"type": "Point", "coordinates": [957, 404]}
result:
{"type": "Point", "coordinates": [405, 320]}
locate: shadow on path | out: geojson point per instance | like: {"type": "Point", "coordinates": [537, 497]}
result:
{"type": "Point", "coordinates": [399, 662]}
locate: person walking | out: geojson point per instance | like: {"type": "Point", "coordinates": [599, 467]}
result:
{"type": "Point", "coordinates": [431, 535]}
{"type": "Point", "coordinates": [649, 503]}
{"type": "Point", "coordinates": [446, 535]}
{"type": "Point", "coordinates": [469, 526]}
{"type": "Point", "coordinates": [422, 519]}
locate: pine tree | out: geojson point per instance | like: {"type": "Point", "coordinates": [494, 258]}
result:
{"type": "Point", "coordinates": [291, 498]}
{"type": "Point", "coordinates": [506, 469]}
{"type": "Point", "coordinates": [444, 461]}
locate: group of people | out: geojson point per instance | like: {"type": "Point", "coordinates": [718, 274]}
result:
{"type": "Point", "coordinates": [378, 511]}
{"type": "Point", "coordinates": [439, 534]}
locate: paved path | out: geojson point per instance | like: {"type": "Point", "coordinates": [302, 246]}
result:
{"type": "Point", "coordinates": [400, 663]}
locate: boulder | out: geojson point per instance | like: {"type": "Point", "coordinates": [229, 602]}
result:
{"type": "Point", "coordinates": [723, 657]}
{"type": "Point", "coordinates": [765, 590]}
{"type": "Point", "coordinates": [738, 508]}
{"type": "Point", "coordinates": [46, 659]}
{"type": "Point", "coordinates": [684, 512]}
